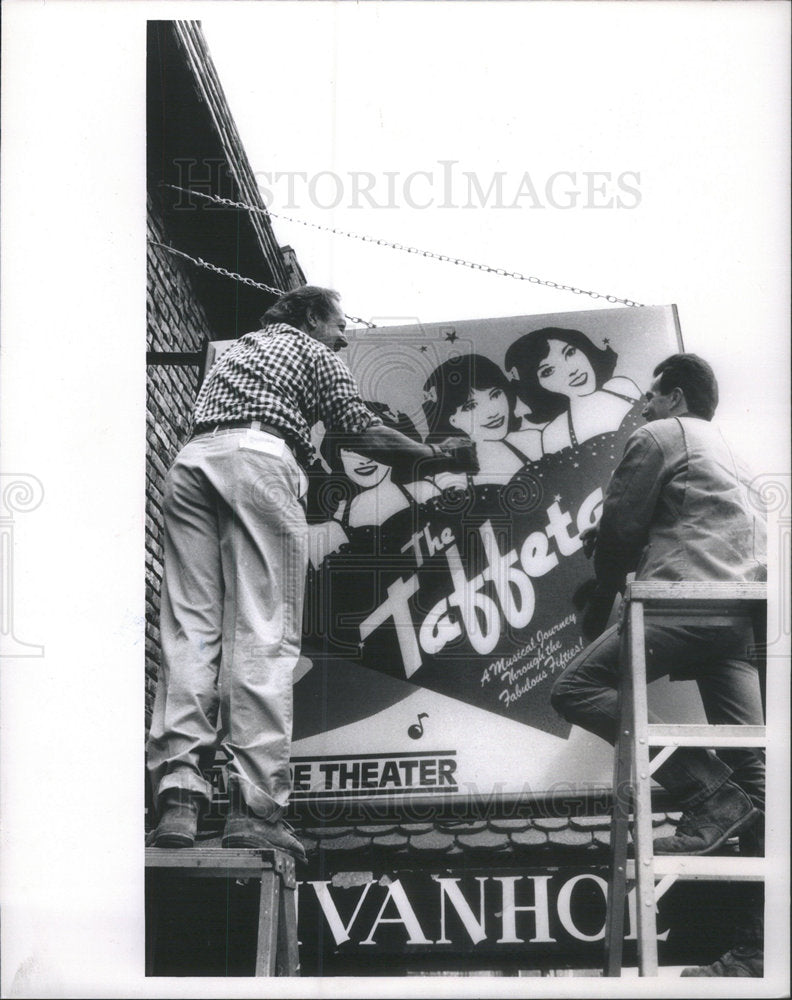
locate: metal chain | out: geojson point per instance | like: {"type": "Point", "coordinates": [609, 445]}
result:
{"type": "Point", "coordinates": [532, 279]}
{"type": "Point", "coordinates": [199, 262]}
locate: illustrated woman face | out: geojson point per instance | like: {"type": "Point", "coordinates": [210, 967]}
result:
{"type": "Point", "coordinates": [363, 472]}
{"type": "Point", "coordinates": [566, 371]}
{"type": "Point", "coordinates": [484, 416]}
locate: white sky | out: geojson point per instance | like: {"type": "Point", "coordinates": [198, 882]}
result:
{"type": "Point", "coordinates": [692, 95]}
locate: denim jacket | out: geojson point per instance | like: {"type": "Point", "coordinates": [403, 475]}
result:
{"type": "Point", "coordinates": [680, 507]}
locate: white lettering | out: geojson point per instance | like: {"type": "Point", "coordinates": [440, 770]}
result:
{"type": "Point", "coordinates": [540, 908]}
{"type": "Point", "coordinates": [474, 927]}
{"type": "Point", "coordinates": [474, 606]}
{"type": "Point", "coordinates": [406, 916]}
{"type": "Point", "coordinates": [480, 614]}
{"type": "Point", "coordinates": [332, 916]}
{"type": "Point", "coordinates": [660, 890]}
{"type": "Point", "coordinates": [396, 607]}
{"type": "Point", "coordinates": [534, 555]}
{"type": "Point", "coordinates": [433, 544]}
{"type": "Point", "coordinates": [415, 544]}
{"type": "Point", "coordinates": [559, 520]}
{"type": "Point", "coordinates": [565, 907]}
{"type": "Point", "coordinates": [438, 629]}
{"type": "Point", "coordinates": [590, 511]}
{"type": "Point", "coordinates": [509, 582]}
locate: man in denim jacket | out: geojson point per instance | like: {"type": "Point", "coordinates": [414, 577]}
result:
{"type": "Point", "coordinates": [679, 507]}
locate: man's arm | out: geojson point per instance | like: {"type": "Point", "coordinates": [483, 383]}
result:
{"type": "Point", "coordinates": [628, 508]}
{"type": "Point", "coordinates": [342, 410]}
{"type": "Point", "coordinates": [621, 535]}
{"type": "Point", "coordinates": [412, 459]}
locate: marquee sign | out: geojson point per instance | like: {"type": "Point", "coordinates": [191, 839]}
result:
{"type": "Point", "coordinates": [527, 917]}
{"type": "Point", "coordinates": [432, 910]}
{"type": "Point", "coordinates": [429, 915]}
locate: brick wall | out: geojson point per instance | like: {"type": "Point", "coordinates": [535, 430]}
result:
{"type": "Point", "coordinates": [176, 322]}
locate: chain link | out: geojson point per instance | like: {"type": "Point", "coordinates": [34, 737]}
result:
{"type": "Point", "coordinates": [460, 261]}
{"type": "Point", "coordinates": [199, 262]}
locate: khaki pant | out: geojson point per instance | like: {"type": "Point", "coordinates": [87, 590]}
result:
{"type": "Point", "coordinates": [231, 616]}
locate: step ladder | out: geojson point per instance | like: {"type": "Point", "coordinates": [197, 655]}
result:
{"type": "Point", "coordinates": [276, 939]}
{"type": "Point", "coordinates": [703, 602]}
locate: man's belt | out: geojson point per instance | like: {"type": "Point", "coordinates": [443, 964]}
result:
{"type": "Point", "coordinates": [232, 425]}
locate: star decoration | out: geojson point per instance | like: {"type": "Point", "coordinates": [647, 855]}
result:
{"type": "Point", "coordinates": [575, 465]}
{"type": "Point", "coordinates": [424, 349]}
{"type": "Point", "coordinates": [451, 336]}
{"type": "Point", "coordinates": [557, 498]}
{"type": "Point", "coordinates": [605, 341]}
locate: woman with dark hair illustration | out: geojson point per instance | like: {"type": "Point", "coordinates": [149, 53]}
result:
{"type": "Point", "coordinates": [376, 497]}
{"type": "Point", "coordinates": [569, 386]}
{"type": "Point", "coordinates": [470, 395]}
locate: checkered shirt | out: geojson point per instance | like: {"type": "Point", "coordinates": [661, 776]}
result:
{"type": "Point", "coordinates": [284, 378]}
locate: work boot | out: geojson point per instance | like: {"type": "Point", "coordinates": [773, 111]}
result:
{"type": "Point", "coordinates": [740, 961]}
{"type": "Point", "coordinates": [243, 829]}
{"type": "Point", "coordinates": [178, 824]}
{"type": "Point", "coordinates": [752, 839]}
{"type": "Point", "coordinates": [707, 826]}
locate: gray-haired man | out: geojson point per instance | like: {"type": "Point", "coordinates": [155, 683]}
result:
{"type": "Point", "coordinates": [235, 559]}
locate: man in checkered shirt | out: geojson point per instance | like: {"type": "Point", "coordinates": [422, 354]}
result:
{"type": "Point", "coordinates": [235, 560]}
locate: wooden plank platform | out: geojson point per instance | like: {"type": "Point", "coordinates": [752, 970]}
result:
{"type": "Point", "coordinates": [170, 871]}
{"type": "Point", "coordinates": [213, 862]}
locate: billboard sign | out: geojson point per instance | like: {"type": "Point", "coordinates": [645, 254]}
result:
{"type": "Point", "coordinates": [439, 612]}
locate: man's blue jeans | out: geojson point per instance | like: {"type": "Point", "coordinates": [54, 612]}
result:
{"type": "Point", "coordinates": [718, 659]}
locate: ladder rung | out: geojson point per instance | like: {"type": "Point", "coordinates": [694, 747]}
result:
{"type": "Point", "coordinates": [708, 592]}
{"type": "Point", "coordinates": [670, 734]}
{"type": "Point", "coordinates": [709, 868]}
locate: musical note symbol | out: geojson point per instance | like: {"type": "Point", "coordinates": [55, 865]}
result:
{"type": "Point", "coordinates": [415, 731]}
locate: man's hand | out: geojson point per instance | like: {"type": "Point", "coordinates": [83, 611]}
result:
{"type": "Point", "coordinates": [325, 538]}
{"type": "Point", "coordinates": [456, 455]}
{"type": "Point", "coordinates": [589, 540]}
